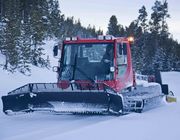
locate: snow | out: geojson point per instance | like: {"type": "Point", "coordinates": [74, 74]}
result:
{"type": "Point", "coordinates": [11, 81]}
{"type": "Point", "coordinates": [159, 123]}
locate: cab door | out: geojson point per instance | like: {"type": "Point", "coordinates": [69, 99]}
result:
{"type": "Point", "coordinates": [124, 66]}
{"type": "Point", "coordinates": [121, 59]}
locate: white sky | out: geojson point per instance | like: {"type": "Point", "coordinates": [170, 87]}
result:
{"type": "Point", "coordinates": [98, 12]}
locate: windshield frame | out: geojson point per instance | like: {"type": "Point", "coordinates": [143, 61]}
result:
{"type": "Point", "coordinates": [87, 42]}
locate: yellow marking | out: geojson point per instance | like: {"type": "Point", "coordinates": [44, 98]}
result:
{"type": "Point", "coordinates": [171, 99]}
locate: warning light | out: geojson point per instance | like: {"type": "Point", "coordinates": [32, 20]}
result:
{"type": "Point", "coordinates": [131, 39]}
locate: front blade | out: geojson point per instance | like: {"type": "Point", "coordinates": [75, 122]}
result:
{"type": "Point", "coordinates": [74, 101]}
{"type": "Point", "coordinates": [56, 101]}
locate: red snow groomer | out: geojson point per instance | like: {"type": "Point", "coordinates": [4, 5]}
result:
{"type": "Point", "coordinates": [94, 76]}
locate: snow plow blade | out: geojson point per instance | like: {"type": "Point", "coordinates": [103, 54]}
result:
{"type": "Point", "coordinates": [97, 98]}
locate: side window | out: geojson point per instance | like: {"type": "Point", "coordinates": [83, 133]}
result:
{"type": "Point", "coordinates": [121, 58]}
{"type": "Point", "coordinates": [67, 51]}
{"type": "Point", "coordinates": [125, 49]}
{"type": "Point", "coordinates": [122, 53]}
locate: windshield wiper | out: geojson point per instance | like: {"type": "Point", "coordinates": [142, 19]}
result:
{"type": "Point", "coordinates": [80, 70]}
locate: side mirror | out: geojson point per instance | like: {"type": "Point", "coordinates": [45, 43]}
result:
{"type": "Point", "coordinates": [55, 50]}
{"type": "Point", "coordinates": [55, 69]}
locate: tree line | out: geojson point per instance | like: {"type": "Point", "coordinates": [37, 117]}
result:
{"type": "Point", "coordinates": [26, 24]}
{"type": "Point", "coordinates": [154, 47]}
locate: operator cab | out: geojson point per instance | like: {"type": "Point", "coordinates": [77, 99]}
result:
{"type": "Point", "coordinates": [105, 59]}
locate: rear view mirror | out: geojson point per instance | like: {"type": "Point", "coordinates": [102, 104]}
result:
{"type": "Point", "coordinates": [55, 50]}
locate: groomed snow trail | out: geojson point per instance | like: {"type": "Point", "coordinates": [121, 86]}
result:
{"type": "Point", "coordinates": [160, 123]}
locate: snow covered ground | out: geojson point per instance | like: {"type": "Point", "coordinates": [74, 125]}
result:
{"type": "Point", "coordinates": [160, 123]}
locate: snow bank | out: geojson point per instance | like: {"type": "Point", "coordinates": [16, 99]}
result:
{"type": "Point", "coordinates": [173, 80]}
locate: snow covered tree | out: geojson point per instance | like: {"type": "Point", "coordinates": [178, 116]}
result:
{"type": "Point", "coordinates": [25, 26]}
{"type": "Point", "coordinates": [152, 42]}
{"type": "Point", "coordinates": [159, 29]}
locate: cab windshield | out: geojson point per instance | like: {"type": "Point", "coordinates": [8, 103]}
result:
{"type": "Point", "coordinates": [87, 61]}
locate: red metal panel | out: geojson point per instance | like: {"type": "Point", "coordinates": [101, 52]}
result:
{"type": "Point", "coordinates": [118, 83]}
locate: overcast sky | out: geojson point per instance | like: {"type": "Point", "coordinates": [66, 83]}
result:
{"type": "Point", "coordinates": [98, 12]}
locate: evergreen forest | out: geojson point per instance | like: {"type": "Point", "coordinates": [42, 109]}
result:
{"type": "Point", "coordinates": [26, 24]}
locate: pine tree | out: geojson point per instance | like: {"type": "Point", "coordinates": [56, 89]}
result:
{"type": "Point", "coordinates": [100, 32]}
{"type": "Point", "coordinates": [25, 26]}
{"type": "Point", "coordinates": [142, 19]}
{"type": "Point", "coordinates": [165, 16]}
{"type": "Point", "coordinates": [55, 18]}
{"type": "Point", "coordinates": [113, 27]}
{"type": "Point", "coordinates": [159, 30]}
{"type": "Point", "coordinates": [152, 43]}
{"type": "Point", "coordinates": [142, 39]}
{"type": "Point", "coordinates": [156, 18]}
